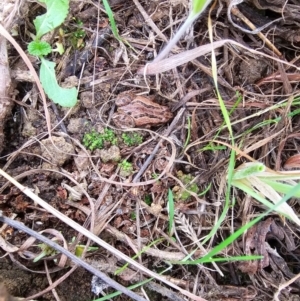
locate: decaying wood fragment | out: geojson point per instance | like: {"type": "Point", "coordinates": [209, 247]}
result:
{"type": "Point", "coordinates": [6, 8]}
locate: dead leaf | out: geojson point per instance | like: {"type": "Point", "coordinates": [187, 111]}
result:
{"type": "Point", "coordinates": [292, 162]}
{"type": "Point", "coordinates": [6, 246]}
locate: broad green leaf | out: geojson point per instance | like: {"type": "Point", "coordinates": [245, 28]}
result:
{"type": "Point", "coordinates": [39, 48]}
{"type": "Point", "coordinates": [57, 11]}
{"type": "Point", "coordinates": [62, 96]}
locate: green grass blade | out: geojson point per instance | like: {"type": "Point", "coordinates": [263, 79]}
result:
{"type": "Point", "coordinates": [199, 6]}
{"type": "Point", "coordinates": [111, 20]}
{"type": "Point", "coordinates": [121, 269]}
{"type": "Point", "coordinates": [188, 134]}
{"type": "Point", "coordinates": [227, 199]}
{"type": "Point", "coordinates": [171, 210]}
{"type": "Point", "coordinates": [240, 231]}
{"type": "Point", "coordinates": [249, 169]}
{"type": "Point", "coordinates": [118, 293]}
{"type": "Point", "coordinates": [234, 258]}
{"type": "Point", "coordinates": [245, 186]}
{"type": "Point", "coordinates": [279, 187]}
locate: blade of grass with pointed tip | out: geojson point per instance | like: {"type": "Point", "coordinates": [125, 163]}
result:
{"type": "Point", "coordinates": [171, 210]}
{"type": "Point", "coordinates": [111, 20]}
{"type": "Point", "coordinates": [244, 228]}
{"type": "Point", "coordinates": [279, 187]}
{"type": "Point", "coordinates": [227, 199]}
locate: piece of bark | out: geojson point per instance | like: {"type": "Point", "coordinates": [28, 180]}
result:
{"type": "Point", "coordinates": [5, 89]}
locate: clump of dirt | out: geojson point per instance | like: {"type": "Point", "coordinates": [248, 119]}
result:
{"type": "Point", "coordinates": [25, 283]}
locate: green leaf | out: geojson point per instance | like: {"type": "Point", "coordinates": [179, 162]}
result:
{"type": "Point", "coordinates": [229, 240]}
{"type": "Point", "coordinates": [111, 20]}
{"type": "Point", "coordinates": [63, 96]}
{"type": "Point", "coordinates": [39, 48]}
{"type": "Point", "coordinates": [248, 169]}
{"type": "Point", "coordinates": [57, 11]}
{"type": "Point", "coordinates": [171, 209]}
{"type": "Point", "coordinates": [199, 6]}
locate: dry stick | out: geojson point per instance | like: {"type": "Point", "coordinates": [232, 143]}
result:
{"type": "Point", "coordinates": [51, 282]}
{"type": "Point", "coordinates": [238, 14]}
{"type": "Point", "coordinates": [6, 34]}
{"type": "Point", "coordinates": [93, 237]}
{"type": "Point", "coordinates": [74, 258]}
{"type": "Point", "coordinates": [147, 163]}
{"type": "Point", "coordinates": [149, 21]}
{"type": "Point", "coordinates": [189, 55]}
{"type": "Point", "coordinates": [254, 31]}
{"type": "Point", "coordinates": [284, 285]}
{"type": "Point", "coordinates": [150, 158]}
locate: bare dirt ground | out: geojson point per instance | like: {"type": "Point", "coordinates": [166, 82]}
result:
{"type": "Point", "coordinates": [104, 183]}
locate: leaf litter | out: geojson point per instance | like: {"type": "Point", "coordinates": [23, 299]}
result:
{"type": "Point", "coordinates": [258, 80]}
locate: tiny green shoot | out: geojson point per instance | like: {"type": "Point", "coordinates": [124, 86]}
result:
{"type": "Point", "coordinates": [46, 251]}
{"type": "Point", "coordinates": [78, 35]}
{"type": "Point", "coordinates": [205, 190]}
{"type": "Point", "coordinates": [133, 216]}
{"type": "Point", "coordinates": [94, 140]}
{"type": "Point", "coordinates": [148, 199]}
{"type": "Point", "coordinates": [132, 139]}
{"type": "Point", "coordinates": [184, 193]}
{"type": "Point", "coordinates": [187, 140]}
{"type": "Point", "coordinates": [80, 248]}
{"type": "Point", "coordinates": [126, 168]}
{"type": "Point", "coordinates": [157, 241]}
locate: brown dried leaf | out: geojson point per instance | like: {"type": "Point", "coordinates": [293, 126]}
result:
{"type": "Point", "coordinates": [255, 245]}
{"type": "Point", "coordinates": [6, 246]}
{"type": "Point", "coordinates": [292, 162]}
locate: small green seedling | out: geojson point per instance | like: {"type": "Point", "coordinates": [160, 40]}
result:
{"type": "Point", "coordinates": [94, 140]}
{"type": "Point", "coordinates": [46, 251]}
{"type": "Point", "coordinates": [154, 175]}
{"type": "Point", "coordinates": [126, 168]}
{"type": "Point", "coordinates": [133, 216]}
{"type": "Point", "coordinates": [80, 248]}
{"type": "Point", "coordinates": [78, 35]}
{"type": "Point", "coordinates": [132, 139]}
{"type": "Point", "coordinates": [148, 199]}
{"type": "Point", "coordinates": [55, 15]}
{"type": "Point", "coordinates": [183, 194]}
